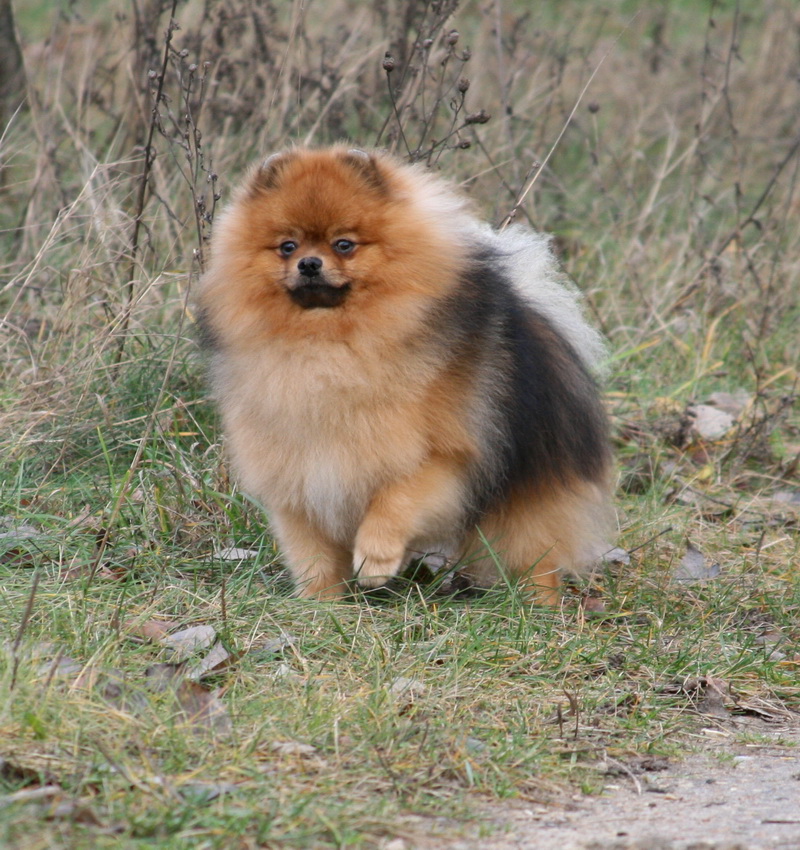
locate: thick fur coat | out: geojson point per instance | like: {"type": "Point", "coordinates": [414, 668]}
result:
{"type": "Point", "coordinates": [396, 378]}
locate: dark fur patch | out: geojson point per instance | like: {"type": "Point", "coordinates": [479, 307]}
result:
{"type": "Point", "coordinates": [207, 337]}
{"type": "Point", "coordinates": [546, 407]}
{"type": "Point", "coordinates": [367, 167]}
{"type": "Point", "coordinates": [268, 175]}
{"type": "Point", "coordinates": [312, 295]}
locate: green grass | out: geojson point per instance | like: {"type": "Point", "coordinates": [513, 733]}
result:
{"type": "Point", "coordinates": [491, 715]}
{"type": "Point", "coordinates": [674, 205]}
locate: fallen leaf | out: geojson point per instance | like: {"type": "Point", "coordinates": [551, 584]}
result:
{"type": "Point", "coordinates": [292, 748]}
{"type": "Point", "coordinates": [205, 792]}
{"type": "Point", "coordinates": [709, 695]}
{"type": "Point", "coordinates": [734, 403]}
{"type": "Point", "coordinates": [694, 566]}
{"type": "Point", "coordinates": [787, 497]}
{"type": "Point", "coordinates": [232, 553]}
{"type": "Point", "coordinates": [474, 745]}
{"type": "Point", "coordinates": [74, 811]}
{"type": "Point", "coordinates": [214, 662]}
{"type": "Point", "coordinates": [16, 558]}
{"type": "Point", "coordinates": [616, 556]}
{"type": "Point", "coordinates": [709, 423]}
{"type": "Point", "coordinates": [203, 710]}
{"type": "Point", "coordinates": [198, 707]}
{"type": "Point", "coordinates": [15, 772]}
{"type": "Point", "coordinates": [274, 646]}
{"type": "Point", "coordinates": [113, 687]}
{"type": "Point", "coordinates": [187, 641]}
{"type": "Point", "coordinates": [85, 519]}
{"type": "Point", "coordinates": [284, 671]}
{"type": "Point", "coordinates": [13, 555]}
{"type": "Point", "coordinates": [18, 532]}
{"type": "Point", "coordinates": [28, 795]}
{"type": "Point", "coordinates": [152, 630]}
{"type": "Point", "coordinates": [61, 667]}
{"type": "Point", "coordinates": [411, 689]}
{"type": "Point", "coordinates": [593, 605]}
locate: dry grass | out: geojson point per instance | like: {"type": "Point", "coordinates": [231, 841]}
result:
{"type": "Point", "coordinates": [672, 192]}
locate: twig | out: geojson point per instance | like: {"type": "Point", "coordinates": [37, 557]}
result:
{"type": "Point", "coordinates": [628, 772]}
{"type": "Point", "coordinates": [650, 540]}
{"type": "Point", "coordinates": [144, 179]}
{"type": "Point", "coordinates": [529, 185]}
{"type": "Point", "coordinates": [26, 615]}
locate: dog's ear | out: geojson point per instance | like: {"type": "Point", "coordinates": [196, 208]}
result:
{"type": "Point", "coordinates": [267, 175]}
{"type": "Point", "coordinates": [368, 166]}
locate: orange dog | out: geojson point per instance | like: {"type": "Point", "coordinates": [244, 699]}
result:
{"type": "Point", "coordinates": [395, 378]}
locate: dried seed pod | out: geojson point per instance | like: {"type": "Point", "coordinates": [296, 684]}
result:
{"type": "Point", "coordinates": [480, 117]}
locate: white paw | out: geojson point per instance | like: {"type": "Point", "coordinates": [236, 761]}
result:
{"type": "Point", "coordinates": [373, 569]}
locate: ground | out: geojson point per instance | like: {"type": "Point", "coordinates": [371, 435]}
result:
{"type": "Point", "coordinates": [728, 796]}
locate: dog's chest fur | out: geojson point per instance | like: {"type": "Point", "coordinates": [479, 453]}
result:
{"type": "Point", "coordinates": [319, 431]}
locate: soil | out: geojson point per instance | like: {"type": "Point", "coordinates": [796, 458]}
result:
{"type": "Point", "coordinates": [729, 796]}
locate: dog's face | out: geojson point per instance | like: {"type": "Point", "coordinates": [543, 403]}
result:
{"type": "Point", "coordinates": [322, 225]}
{"type": "Point", "coordinates": [319, 278]}
{"type": "Point", "coordinates": [319, 242]}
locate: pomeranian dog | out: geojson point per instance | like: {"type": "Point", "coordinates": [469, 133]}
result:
{"type": "Point", "coordinates": [395, 378]}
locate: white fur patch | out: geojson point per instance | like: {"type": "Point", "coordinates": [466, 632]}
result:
{"type": "Point", "coordinates": [534, 270]}
{"type": "Point", "coordinates": [526, 257]}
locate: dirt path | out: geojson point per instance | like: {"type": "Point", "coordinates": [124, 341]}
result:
{"type": "Point", "coordinates": [730, 797]}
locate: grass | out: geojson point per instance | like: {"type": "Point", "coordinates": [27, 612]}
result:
{"type": "Point", "coordinates": [499, 701]}
{"type": "Point", "coordinates": [672, 194]}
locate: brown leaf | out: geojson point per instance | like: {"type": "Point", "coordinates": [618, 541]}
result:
{"type": "Point", "coordinates": [74, 811]}
{"type": "Point", "coordinates": [593, 605]}
{"type": "Point", "coordinates": [16, 558]}
{"type": "Point", "coordinates": [11, 554]}
{"type": "Point", "coordinates": [84, 570]}
{"type": "Point", "coordinates": [152, 630]}
{"type": "Point", "coordinates": [85, 520]}
{"type": "Point", "coordinates": [198, 707]}
{"type": "Point", "coordinates": [203, 710]}
{"type": "Point", "coordinates": [709, 695]}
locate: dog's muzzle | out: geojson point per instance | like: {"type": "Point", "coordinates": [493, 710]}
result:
{"type": "Point", "coordinates": [311, 288]}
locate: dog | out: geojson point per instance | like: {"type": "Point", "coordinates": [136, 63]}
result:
{"type": "Point", "coordinates": [397, 378]}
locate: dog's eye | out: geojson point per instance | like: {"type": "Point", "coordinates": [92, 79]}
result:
{"type": "Point", "coordinates": [344, 246]}
{"type": "Point", "coordinates": [286, 249]}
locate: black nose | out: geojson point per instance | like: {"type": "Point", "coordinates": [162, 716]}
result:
{"type": "Point", "coordinates": [309, 266]}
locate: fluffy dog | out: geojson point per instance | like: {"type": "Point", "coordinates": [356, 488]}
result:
{"type": "Point", "coordinates": [396, 378]}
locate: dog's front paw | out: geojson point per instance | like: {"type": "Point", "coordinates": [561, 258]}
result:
{"type": "Point", "coordinates": [373, 567]}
